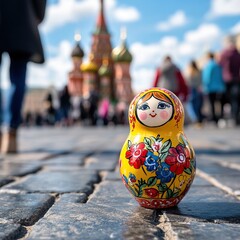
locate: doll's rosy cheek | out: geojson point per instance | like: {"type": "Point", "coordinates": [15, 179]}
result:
{"type": "Point", "coordinates": [164, 115]}
{"type": "Point", "coordinates": [143, 116]}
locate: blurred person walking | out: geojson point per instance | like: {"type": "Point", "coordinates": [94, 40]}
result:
{"type": "Point", "coordinates": [213, 85]}
{"type": "Point", "coordinates": [52, 106]}
{"type": "Point", "coordinates": [89, 108]}
{"type": "Point", "coordinates": [65, 106]}
{"type": "Point", "coordinates": [230, 62]}
{"type": "Point", "coordinates": [19, 37]}
{"type": "Point", "coordinates": [196, 92]}
{"type": "Point", "coordinates": [170, 77]}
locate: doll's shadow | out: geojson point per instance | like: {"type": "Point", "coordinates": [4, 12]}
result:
{"type": "Point", "coordinates": [208, 211]}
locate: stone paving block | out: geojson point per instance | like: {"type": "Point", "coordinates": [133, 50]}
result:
{"type": "Point", "coordinates": [18, 169]}
{"type": "Point", "coordinates": [73, 198]}
{"type": "Point", "coordinates": [5, 180]}
{"type": "Point", "coordinates": [232, 180]}
{"type": "Point", "coordinates": [11, 231]}
{"type": "Point", "coordinates": [225, 159]}
{"type": "Point", "coordinates": [112, 194]}
{"type": "Point", "coordinates": [206, 212]}
{"type": "Point", "coordinates": [103, 161]}
{"type": "Point", "coordinates": [209, 137]}
{"type": "Point", "coordinates": [58, 182]}
{"type": "Point", "coordinates": [59, 168]}
{"type": "Point", "coordinates": [226, 176]}
{"type": "Point", "coordinates": [24, 209]}
{"type": "Point", "coordinates": [111, 176]}
{"type": "Point", "coordinates": [199, 231]}
{"type": "Point", "coordinates": [26, 156]}
{"type": "Point", "coordinates": [200, 182]}
{"type": "Point", "coordinates": [88, 221]}
{"type": "Point", "coordinates": [206, 203]}
{"type": "Point", "coordinates": [65, 160]}
{"type": "Point", "coordinates": [213, 167]}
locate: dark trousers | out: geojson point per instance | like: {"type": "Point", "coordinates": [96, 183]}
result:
{"type": "Point", "coordinates": [235, 102]}
{"type": "Point", "coordinates": [197, 103]}
{"type": "Point", "coordinates": [17, 74]}
{"type": "Point", "coordinates": [215, 98]}
{"type": "Point", "coordinates": [232, 96]}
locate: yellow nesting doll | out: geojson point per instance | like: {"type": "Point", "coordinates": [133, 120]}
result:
{"type": "Point", "coordinates": [157, 163]}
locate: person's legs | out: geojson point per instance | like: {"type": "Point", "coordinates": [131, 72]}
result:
{"type": "Point", "coordinates": [212, 99]}
{"type": "Point", "coordinates": [199, 107]}
{"type": "Point", "coordinates": [1, 110]}
{"type": "Point", "coordinates": [194, 101]}
{"type": "Point", "coordinates": [1, 107]}
{"type": "Point", "coordinates": [18, 68]}
{"type": "Point", "coordinates": [17, 72]}
{"type": "Point", "coordinates": [222, 102]}
{"type": "Point", "coordinates": [235, 97]}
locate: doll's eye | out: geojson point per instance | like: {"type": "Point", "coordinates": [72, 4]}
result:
{"type": "Point", "coordinates": [144, 107]}
{"type": "Point", "coordinates": [162, 105]}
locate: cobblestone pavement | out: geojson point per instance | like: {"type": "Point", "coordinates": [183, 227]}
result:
{"type": "Point", "coordinates": [64, 184]}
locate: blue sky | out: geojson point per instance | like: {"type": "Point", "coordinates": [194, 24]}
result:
{"type": "Point", "coordinates": [184, 29]}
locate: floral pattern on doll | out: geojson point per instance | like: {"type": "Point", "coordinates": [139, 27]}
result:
{"type": "Point", "coordinates": [163, 163]}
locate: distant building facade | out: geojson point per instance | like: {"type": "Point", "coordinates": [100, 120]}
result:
{"type": "Point", "coordinates": [107, 70]}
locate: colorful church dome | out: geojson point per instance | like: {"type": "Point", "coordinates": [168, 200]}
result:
{"type": "Point", "coordinates": [121, 53]}
{"type": "Point", "coordinates": [89, 66]}
{"type": "Point", "coordinates": [77, 50]}
{"type": "Point", "coordinates": [105, 70]}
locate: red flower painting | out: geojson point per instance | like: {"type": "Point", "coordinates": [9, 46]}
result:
{"type": "Point", "coordinates": [178, 159]}
{"type": "Point", "coordinates": [136, 155]}
{"type": "Point", "coordinates": [152, 192]}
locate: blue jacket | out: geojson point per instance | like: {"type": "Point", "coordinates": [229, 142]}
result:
{"type": "Point", "coordinates": [212, 78]}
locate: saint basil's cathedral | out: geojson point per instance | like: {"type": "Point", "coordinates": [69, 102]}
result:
{"type": "Point", "coordinates": [106, 73]}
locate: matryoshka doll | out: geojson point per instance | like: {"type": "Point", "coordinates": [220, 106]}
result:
{"type": "Point", "coordinates": [157, 163]}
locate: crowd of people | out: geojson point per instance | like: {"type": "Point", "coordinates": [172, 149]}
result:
{"type": "Point", "coordinates": [62, 109]}
{"type": "Point", "coordinates": [209, 93]}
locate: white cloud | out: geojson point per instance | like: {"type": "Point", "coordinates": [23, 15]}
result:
{"type": "Point", "coordinates": [236, 28]}
{"type": "Point", "coordinates": [126, 14]}
{"type": "Point", "coordinates": [224, 8]}
{"type": "Point", "coordinates": [206, 33]}
{"type": "Point", "coordinates": [142, 78]}
{"type": "Point", "coordinates": [152, 54]}
{"type": "Point", "coordinates": [70, 11]}
{"type": "Point", "coordinates": [187, 49]}
{"type": "Point", "coordinates": [178, 19]}
{"type": "Point", "coordinates": [149, 56]}
{"type": "Point", "coordinates": [145, 54]}
{"type": "Point", "coordinates": [54, 71]}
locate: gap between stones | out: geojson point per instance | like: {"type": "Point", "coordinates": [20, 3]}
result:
{"type": "Point", "coordinates": [216, 183]}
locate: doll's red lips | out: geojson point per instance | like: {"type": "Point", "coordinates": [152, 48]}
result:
{"type": "Point", "coordinates": [153, 115]}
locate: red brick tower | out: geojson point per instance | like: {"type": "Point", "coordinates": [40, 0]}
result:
{"type": "Point", "coordinates": [101, 44]}
{"type": "Point", "coordinates": [75, 76]}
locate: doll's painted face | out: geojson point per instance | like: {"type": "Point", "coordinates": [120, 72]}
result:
{"type": "Point", "coordinates": [154, 112]}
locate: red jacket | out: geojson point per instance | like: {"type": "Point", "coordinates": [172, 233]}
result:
{"type": "Point", "coordinates": [182, 92]}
